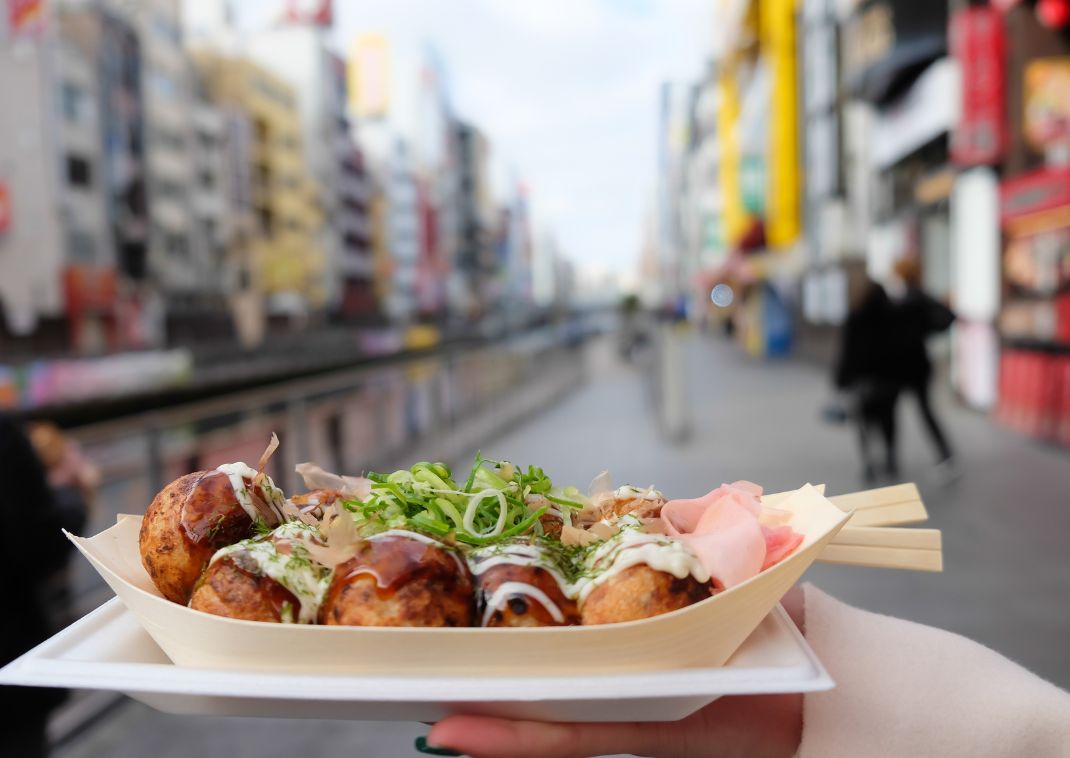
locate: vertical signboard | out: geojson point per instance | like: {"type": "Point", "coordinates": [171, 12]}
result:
{"type": "Point", "coordinates": [1046, 116]}
{"type": "Point", "coordinates": [5, 208]}
{"type": "Point", "coordinates": [369, 76]}
{"type": "Point", "coordinates": [315, 12]}
{"type": "Point", "coordinates": [977, 44]}
{"type": "Point", "coordinates": [25, 18]}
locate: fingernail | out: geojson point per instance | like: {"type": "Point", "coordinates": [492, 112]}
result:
{"type": "Point", "coordinates": [423, 747]}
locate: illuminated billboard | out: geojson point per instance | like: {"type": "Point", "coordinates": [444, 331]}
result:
{"type": "Point", "coordinates": [369, 76]}
{"type": "Point", "coordinates": [315, 12]}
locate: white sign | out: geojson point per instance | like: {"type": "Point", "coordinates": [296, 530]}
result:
{"type": "Point", "coordinates": [925, 111]}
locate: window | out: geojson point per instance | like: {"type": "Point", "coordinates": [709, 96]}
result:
{"type": "Point", "coordinates": [160, 85]}
{"type": "Point", "coordinates": [267, 221]}
{"type": "Point", "coordinates": [166, 31]}
{"type": "Point", "coordinates": [79, 171]}
{"type": "Point", "coordinates": [80, 247]}
{"type": "Point", "coordinates": [73, 102]}
{"type": "Point", "coordinates": [177, 245]}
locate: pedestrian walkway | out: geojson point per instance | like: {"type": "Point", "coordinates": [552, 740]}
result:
{"type": "Point", "coordinates": [1005, 525]}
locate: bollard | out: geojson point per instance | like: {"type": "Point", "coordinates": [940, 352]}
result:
{"type": "Point", "coordinates": [672, 383]}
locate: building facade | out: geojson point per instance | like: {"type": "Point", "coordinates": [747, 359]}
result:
{"type": "Point", "coordinates": [283, 259]}
{"type": "Point", "coordinates": [298, 53]}
{"type": "Point", "coordinates": [73, 250]}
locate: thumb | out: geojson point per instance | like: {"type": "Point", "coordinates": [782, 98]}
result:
{"type": "Point", "coordinates": [483, 737]}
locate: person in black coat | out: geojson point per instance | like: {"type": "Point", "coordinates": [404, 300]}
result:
{"type": "Point", "coordinates": [35, 552]}
{"type": "Point", "coordinates": [865, 372]}
{"type": "Point", "coordinates": [917, 316]}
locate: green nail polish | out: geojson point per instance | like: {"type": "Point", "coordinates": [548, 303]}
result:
{"type": "Point", "coordinates": [423, 747]}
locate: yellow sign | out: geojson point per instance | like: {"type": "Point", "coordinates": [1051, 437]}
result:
{"type": "Point", "coordinates": [369, 76]}
{"type": "Point", "coordinates": [783, 192]}
{"type": "Point", "coordinates": [735, 217]}
{"type": "Point", "coordinates": [1046, 119]}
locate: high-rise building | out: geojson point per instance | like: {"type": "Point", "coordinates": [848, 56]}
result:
{"type": "Point", "coordinates": [474, 255]}
{"type": "Point", "coordinates": [72, 255]}
{"type": "Point", "coordinates": [399, 100]}
{"type": "Point", "coordinates": [701, 223]}
{"type": "Point", "coordinates": [183, 271]}
{"type": "Point", "coordinates": [283, 259]}
{"type": "Point", "coordinates": [297, 52]}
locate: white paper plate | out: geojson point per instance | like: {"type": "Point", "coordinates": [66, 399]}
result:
{"type": "Point", "coordinates": [109, 650]}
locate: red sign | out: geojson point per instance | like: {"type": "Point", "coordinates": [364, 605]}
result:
{"type": "Point", "coordinates": [1042, 190]}
{"type": "Point", "coordinates": [5, 208]}
{"type": "Point", "coordinates": [977, 44]}
{"type": "Point", "coordinates": [315, 12]}
{"type": "Point", "coordinates": [89, 288]}
{"type": "Point", "coordinates": [25, 18]}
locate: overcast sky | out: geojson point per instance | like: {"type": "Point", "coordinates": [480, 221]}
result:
{"type": "Point", "coordinates": [567, 91]}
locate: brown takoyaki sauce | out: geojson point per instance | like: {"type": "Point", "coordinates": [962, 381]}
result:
{"type": "Point", "coordinates": [211, 513]}
{"type": "Point", "coordinates": [394, 580]}
{"type": "Point", "coordinates": [393, 561]}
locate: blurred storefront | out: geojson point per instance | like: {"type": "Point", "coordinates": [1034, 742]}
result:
{"type": "Point", "coordinates": [934, 131]}
{"type": "Point", "coordinates": [1034, 318]}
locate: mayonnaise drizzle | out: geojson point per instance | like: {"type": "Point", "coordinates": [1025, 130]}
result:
{"type": "Point", "coordinates": [632, 548]}
{"type": "Point", "coordinates": [517, 554]}
{"type": "Point", "coordinates": [307, 580]}
{"type": "Point", "coordinates": [507, 590]}
{"type": "Point", "coordinates": [238, 473]}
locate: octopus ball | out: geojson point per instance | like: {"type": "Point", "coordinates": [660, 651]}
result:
{"type": "Point", "coordinates": [226, 589]}
{"type": "Point", "coordinates": [640, 592]}
{"type": "Point", "coordinates": [185, 524]}
{"type": "Point", "coordinates": [395, 580]}
{"type": "Point", "coordinates": [513, 595]}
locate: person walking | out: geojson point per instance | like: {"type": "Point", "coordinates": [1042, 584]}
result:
{"type": "Point", "coordinates": [916, 316]}
{"type": "Point", "coordinates": [865, 374]}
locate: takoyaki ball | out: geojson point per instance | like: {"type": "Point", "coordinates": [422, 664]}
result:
{"type": "Point", "coordinates": [639, 592]}
{"type": "Point", "coordinates": [513, 595]}
{"type": "Point", "coordinates": [395, 580]}
{"type": "Point", "coordinates": [186, 523]}
{"type": "Point", "coordinates": [225, 589]}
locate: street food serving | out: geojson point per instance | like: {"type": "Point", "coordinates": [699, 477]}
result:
{"type": "Point", "coordinates": [505, 547]}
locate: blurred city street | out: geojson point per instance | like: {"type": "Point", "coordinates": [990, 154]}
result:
{"type": "Point", "coordinates": [691, 242]}
{"type": "Point", "coordinates": [1004, 523]}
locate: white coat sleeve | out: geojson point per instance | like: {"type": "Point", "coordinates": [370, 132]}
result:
{"type": "Point", "coordinates": [903, 689]}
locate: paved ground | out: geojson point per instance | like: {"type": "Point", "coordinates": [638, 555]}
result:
{"type": "Point", "coordinates": [1005, 522]}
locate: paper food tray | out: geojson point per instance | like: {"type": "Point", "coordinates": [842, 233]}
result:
{"type": "Point", "coordinates": [108, 649]}
{"type": "Point", "coordinates": [705, 634]}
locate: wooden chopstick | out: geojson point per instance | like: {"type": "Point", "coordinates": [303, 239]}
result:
{"type": "Point", "coordinates": [883, 557]}
{"type": "Point", "coordinates": [885, 506]}
{"type": "Point", "coordinates": [873, 536]}
{"type": "Point", "coordinates": [889, 536]}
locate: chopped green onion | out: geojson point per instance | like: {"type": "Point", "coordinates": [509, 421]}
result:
{"type": "Point", "coordinates": [563, 501]}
